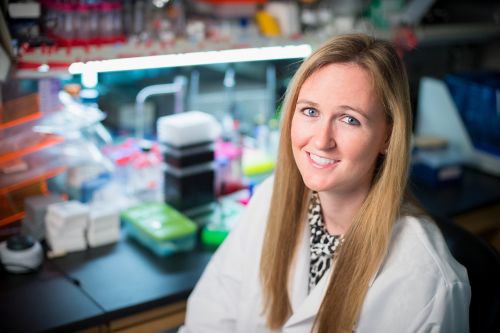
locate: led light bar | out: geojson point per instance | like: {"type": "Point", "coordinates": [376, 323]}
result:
{"type": "Point", "coordinates": [194, 58]}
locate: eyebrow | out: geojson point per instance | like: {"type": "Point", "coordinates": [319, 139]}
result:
{"type": "Point", "coordinates": [308, 102]}
{"type": "Point", "coordinates": [358, 111]}
{"type": "Point", "coordinates": [341, 107]}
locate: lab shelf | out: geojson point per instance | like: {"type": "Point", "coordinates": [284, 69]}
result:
{"type": "Point", "coordinates": [19, 111]}
{"type": "Point", "coordinates": [26, 162]}
{"type": "Point", "coordinates": [39, 166]}
{"type": "Point", "coordinates": [21, 120]}
{"type": "Point", "coordinates": [41, 141]}
{"type": "Point", "coordinates": [12, 203]}
{"type": "Point", "coordinates": [17, 186]}
{"type": "Point", "coordinates": [58, 59]}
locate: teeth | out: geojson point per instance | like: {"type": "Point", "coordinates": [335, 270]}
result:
{"type": "Point", "coordinates": [321, 160]}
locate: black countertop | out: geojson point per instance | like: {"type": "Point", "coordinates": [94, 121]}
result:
{"type": "Point", "coordinates": [475, 190]}
{"type": "Point", "coordinates": [89, 288]}
{"type": "Point", "coordinates": [125, 277]}
{"type": "Point", "coordinates": [44, 301]}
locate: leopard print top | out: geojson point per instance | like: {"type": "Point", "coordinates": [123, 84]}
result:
{"type": "Point", "coordinates": [322, 244]}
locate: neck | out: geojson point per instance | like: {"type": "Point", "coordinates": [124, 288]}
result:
{"type": "Point", "coordinates": [339, 209]}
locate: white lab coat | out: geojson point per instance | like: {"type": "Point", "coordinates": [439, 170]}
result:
{"type": "Point", "coordinates": [418, 288]}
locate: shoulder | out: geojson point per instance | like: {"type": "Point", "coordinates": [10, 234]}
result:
{"type": "Point", "coordinates": [419, 285]}
{"type": "Point", "coordinates": [419, 242]}
{"type": "Point", "coordinates": [419, 265]}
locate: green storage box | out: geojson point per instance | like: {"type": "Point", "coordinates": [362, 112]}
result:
{"type": "Point", "coordinates": [160, 228]}
{"type": "Point", "coordinates": [222, 221]}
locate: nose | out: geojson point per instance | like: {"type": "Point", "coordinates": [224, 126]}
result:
{"type": "Point", "coordinates": [324, 136]}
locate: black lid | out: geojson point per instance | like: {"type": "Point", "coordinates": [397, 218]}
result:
{"type": "Point", "coordinates": [20, 242]}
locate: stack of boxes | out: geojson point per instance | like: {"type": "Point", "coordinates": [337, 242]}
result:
{"type": "Point", "coordinates": [65, 226]}
{"type": "Point", "coordinates": [104, 226]}
{"type": "Point", "coordinates": [188, 143]}
{"type": "Point", "coordinates": [71, 225]}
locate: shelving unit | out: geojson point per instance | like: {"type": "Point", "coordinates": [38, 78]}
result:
{"type": "Point", "coordinates": [12, 203]}
{"type": "Point", "coordinates": [41, 141]}
{"type": "Point", "coordinates": [58, 59]}
{"type": "Point", "coordinates": [19, 111]}
{"type": "Point", "coordinates": [30, 153]}
{"type": "Point", "coordinates": [54, 61]}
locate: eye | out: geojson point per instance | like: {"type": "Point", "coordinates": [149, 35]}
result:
{"type": "Point", "coordinates": [310, 112]}
{"type": "Point", "coordinates": [351, 121]}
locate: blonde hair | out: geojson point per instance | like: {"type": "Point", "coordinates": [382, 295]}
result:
{"type": "Point", "coordinates": [365, 243]}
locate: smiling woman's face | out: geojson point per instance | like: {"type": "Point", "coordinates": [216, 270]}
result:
{"type": "Point", "coordinates": [338, 129]}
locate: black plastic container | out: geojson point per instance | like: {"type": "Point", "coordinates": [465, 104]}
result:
{"type": "Point", "coordinates": [186, 156]}
{"type": "Point", "coordinates": [190, 187]}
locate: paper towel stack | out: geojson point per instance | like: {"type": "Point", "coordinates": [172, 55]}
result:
{"type": "Point", "coordinates": [65, 224]}
{"type": "Point", "coordinates": [103, 226]}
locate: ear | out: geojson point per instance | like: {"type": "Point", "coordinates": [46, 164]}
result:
{"type": "Point", "coordinates": [385, 146]}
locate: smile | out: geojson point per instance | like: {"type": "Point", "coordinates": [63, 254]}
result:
{"type": "Point", "coordinates": [321, 161]}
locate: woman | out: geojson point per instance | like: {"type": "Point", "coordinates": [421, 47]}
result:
{"type": "Point", "coordinates": [329, 244]}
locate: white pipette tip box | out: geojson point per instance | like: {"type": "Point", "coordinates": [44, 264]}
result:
{"type": "Point", "coordinates": [187, 128]}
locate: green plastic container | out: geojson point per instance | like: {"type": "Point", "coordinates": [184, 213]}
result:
{"type": "Point", "coordinates": [160, 228]}
{"type": "Point", "coordinates": [223, 220]}
{"type": "Point", "coordinates": [213, 236]}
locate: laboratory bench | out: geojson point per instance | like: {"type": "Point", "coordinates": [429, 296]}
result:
{"type": "Point", "coordinates": [473, 203]}
{"type": "Point", "coordinates": [125, 288]}
{"type": "Point", "coordinates": [115, 288]}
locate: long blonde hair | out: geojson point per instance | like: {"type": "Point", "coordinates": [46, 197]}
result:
{"type": "Point", "coordinates": [365, 243]}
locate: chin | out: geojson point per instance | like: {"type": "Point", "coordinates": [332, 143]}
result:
{"type": "Point", "coordinates": [317, 185]}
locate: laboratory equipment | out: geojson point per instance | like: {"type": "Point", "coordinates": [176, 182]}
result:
{"type": "Point", "coordinates": [21, 254]}
{"type": "Point", "coordinates": [160, 228]}
{"type": "Point", "coordinates": [222, 221]}
{"type": "Point", "coordinates": [467, 116]}
{"type": "Point", "coordinates": [178, 88]}
{"type": "Point", "coordinates": [188, 142]}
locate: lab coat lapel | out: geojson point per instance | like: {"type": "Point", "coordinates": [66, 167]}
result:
{"type": "Point", "coordinates": [304, 305]}
{"type": "Point", "coordinates": [300, 280]}
{"type": "Point", "coordinates": [310, 306]}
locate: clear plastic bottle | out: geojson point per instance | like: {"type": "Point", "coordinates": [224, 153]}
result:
{"type": "Point", "coordinates": [128, 17]}
{"type": "Point", "coordinates": [106, 20]}
{"type": "Point", "coordinates": [93, 24]}
{"type": "Point", "coordinates": [50, 17]}
{"type": "Point", "coordinates": [117, 13]}
{"type": "Point", "coordinates": [82, 20]}
{"type": "Point", "coordinates": [178, 17]}
{"type": "Point", "coordinates": [139, 11]}
{"type": "Point", "coordinates": [67, 21]}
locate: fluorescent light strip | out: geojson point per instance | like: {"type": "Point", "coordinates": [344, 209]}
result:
{"type": "Point", "coordinates": [194, 58]}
